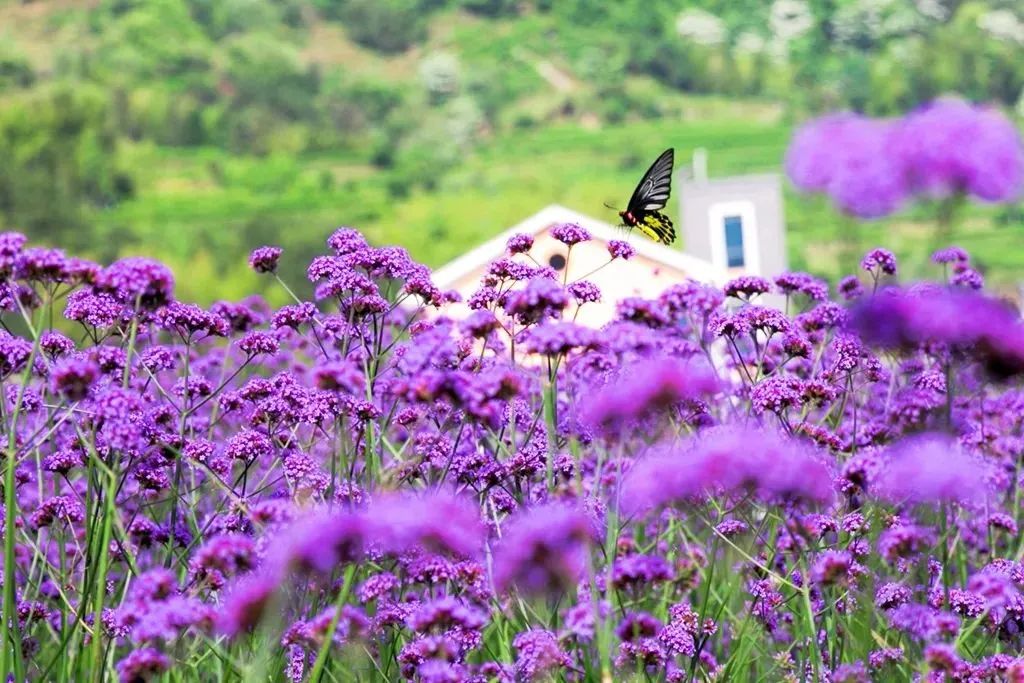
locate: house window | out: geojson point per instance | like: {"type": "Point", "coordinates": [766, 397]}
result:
{"type": "Point", "coordinates": [733, 241]}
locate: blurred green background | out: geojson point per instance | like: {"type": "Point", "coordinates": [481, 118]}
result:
{"type": "Point", "coordinates": [195, 130]}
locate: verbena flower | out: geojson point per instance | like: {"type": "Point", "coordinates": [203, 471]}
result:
{"type": "Point", "coordinates": [951, 146]}
{"type": "Point", "coordinates": [264, 259]}
{"type": "Point", "coordinates": [646, 388]}
{"type": "Point", "coordinates": [520, 243]}
{"type": "Point", "coordinates": [932, 469]}
{"type": "Point", "coordinates": [570, 233]}
{"type": "Point", "coordinates": [732, 460]}
{"type": "Point", "coordinates": [543, 550]}
{"type": "Point", "coordinates": [620, 249]}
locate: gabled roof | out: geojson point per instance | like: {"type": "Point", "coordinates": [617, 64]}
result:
{"type": "Point", "coordinates": [494, 248]}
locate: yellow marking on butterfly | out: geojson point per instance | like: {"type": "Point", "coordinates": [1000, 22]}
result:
{"type": "Point", "coordinates": [658, 227]}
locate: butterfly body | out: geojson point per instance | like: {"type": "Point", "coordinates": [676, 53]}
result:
{"type": "Point", "coordinates": [644, 209]}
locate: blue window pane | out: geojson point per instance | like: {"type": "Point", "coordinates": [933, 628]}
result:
{"type": "Point", "coordinates": [734, 241]}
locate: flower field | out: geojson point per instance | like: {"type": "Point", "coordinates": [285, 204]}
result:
{"type": "Point", "coordinates": [356, 487]}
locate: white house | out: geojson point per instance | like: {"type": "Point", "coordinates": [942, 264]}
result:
{"type": "Point", "coordinates": [729, 227]}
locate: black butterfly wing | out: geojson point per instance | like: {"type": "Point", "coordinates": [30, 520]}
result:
{"type": "Point", "coordinates": [656, 186]}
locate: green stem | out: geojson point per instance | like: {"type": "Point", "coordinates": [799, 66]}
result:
{"type": "Point", "coordinates": [325, 647]}
{"type": "Point", "coordinates": [9, 636]}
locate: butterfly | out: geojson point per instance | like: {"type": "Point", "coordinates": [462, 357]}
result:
{"type": "Point", "coordinates": [644, 209]}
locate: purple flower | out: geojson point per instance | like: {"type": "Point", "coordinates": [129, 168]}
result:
{"type": "Point", "coordinates": [97, 310]}
{"type": "Point", "coordinates": [445, 614]}
{"type": "Point", "coordinates": [802, 283]}
{"type": "Point", "coordinates": [879, 658]}
{"type": "Point", "coordinates": [986, 327]}
{"type": "Point", "coordinates": [264, 259]}
{"type": "Point", "coordinates": [520, 243]}
{"type": "Point", "coordinates": [293, 316]}
{"type": "Point", "coordinates": [246, 603]}
{"type": "Point", "coordinates": [570, 233]}
{"type": "Point", "coordinates": [890, 595]}
{"type": "Point", "coordinates": [621, 249]}
{"type": "Point", "coordinates": [691, 296]}
{"type": "Point", "coordinates": [11, 245]}
{"type": "Point", "coordinates": [942, 658]}
{"type": "Point", "coordinates": [142, 665]}
{"type": "Point", "coordinates": [559, 338]}
{"type": "Point", "coordinates": [541, 298]}
{"type": "Point", "coordinates": [953, 147]}
{"type": "Point", "coordinates": [480, 323]}
{"type": "Point", "coordinates": [849, 157]}
{"type": "Point", "coordinates": [950, 255]}
{"type": "Point", "coordinates": [851, 288]}
{"type": "Point", "coordinates": [640, 571]}
{"type": "Point", "coordinates": [811, 156]}
{"type": "Point", "coordinates": [73, 377]}
{"type": "Point", "coordinates": [833, 567]}
{"type": "Point", "coordinates": [346, 241]}
{"type": "Point", "coordinates": [538, 653]}
{"type": "Point", "coordinates": [747, 286]}
{"type": "Point", "coordinates": [932, 469]}
{"type": "Point", "coordinates": [584, 292]}
{"type": "Point", "coordinates": [63, 509]}
{"type": "Point", "coordinates": [543, 550]}
{"type": "Point", "coordinates": [923, 622]}
{"type": "Point", "coordinates": [731, 459]}
{"type": "Point", "coordinates": [222, 557]}
{"type": "Point", "coordinates": [340, 376]}
{"type": "Point", "coordinates": [189, 320]}
{"type": "Point", "coordinates": [259, 343]}
{"type": "Point", "coordinates": [851, 673]}
{"type": "Point", "coordinates": [55, 344]}
{"type": "Point", "coordinates": [142, 280]}
{"type": "Point", "coordinates": [648, 387]}
{"type": "Point", "coordinates": [777, 394]}
{"type": "Point", "coordinates": [995, 590]}
{"type": "Point", "coordinates": [42, 265]}
{"type": "Point", "coordinates": [248, 445]}
{"type": "Point", "coordinates": [241, 317]}
{"type": "Point", "coordinates": [439, 522]}
{"type": "Point", "coordinates": [904, 540]}
{"type": "Point", "coordinates": [643, 311]}
{"type": "Point", "coordinates": [880, 260]}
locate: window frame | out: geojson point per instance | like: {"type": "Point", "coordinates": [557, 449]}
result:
{"type": "Point", "coordinates": [747, 213]}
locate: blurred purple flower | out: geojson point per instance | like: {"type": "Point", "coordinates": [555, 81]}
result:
{"type": "Point", "coordinates": [731, 459]}
{"type": "Point", "coordinates": [646, 388]}
{"type": "Point", "coordinates": [543, 550]}
{"type": "Point", "coordinates": [932, 468]}
{"type": "Point", "coordinates": [141, 665]}
{"type": "Point", "coordinates": [849, 157]}
{"type": "Point", "coordinates": [987, 327]}
{"type": "Point", "coordinates": [72, 377]}
{"type": "Point", "coordinates": [951, 146]}
{"type": "Point", "coordinates": [538, 653]}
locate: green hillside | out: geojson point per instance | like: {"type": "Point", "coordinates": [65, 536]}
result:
{"type": "Point", "coordinates": [195, 130]}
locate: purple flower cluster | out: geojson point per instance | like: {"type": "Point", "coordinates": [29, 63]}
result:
{"type": "Point", "coordinates": [709, 486]}
{"type": "Point", "coordinates": [871, 167]}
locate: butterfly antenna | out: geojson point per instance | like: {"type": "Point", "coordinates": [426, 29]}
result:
{"type": "Point", "coordinates": [609, 206]}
